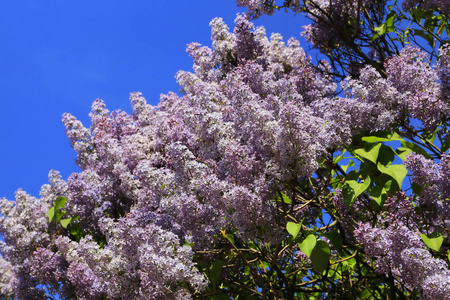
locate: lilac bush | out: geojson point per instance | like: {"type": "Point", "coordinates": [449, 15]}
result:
{"type": "Point", "coordinates": [237, 186]}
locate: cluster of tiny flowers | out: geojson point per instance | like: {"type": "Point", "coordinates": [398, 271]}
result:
{"type": "Point", "coordinates": [320, 33]}
{"type": "Point", "coordinates": [157, 185]}
{"type": "Point", "coordinates": [395, 246]}
{"type": "Point", "coordinates": [176, 173]}
{"type": "Point", "coordinates": [8, 279]}
{"type": "Point", "coordinates": [443, 68]}
{"type": "Point", "coordinates": [432, 177]}
{"type": "Point", "coordinates": [437, 5]}
{"type": "Point", "coordinates": [412, 89]}
{"type": "Point", "coordinates": [256, 8]}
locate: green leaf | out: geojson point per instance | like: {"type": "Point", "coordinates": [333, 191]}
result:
{"type": "Point", "coordinates": [375, 36]}
{"type": "Point", "coordinates": [392, 5]}
{"type": "Point", "coordinates": [380, 30]}
{"type": "Point", "coordinates": [66, 222]}
{"type": "Point", "coordinates": [308, 245]}
{"type": "Point", "coordinates": [445, 145]}
{"type": "Point", "coordinates": [352, 189]}
{"type": "Point", "coordinates": [320, 256]}
{"type": "Point", "coordinates": [386, 137]}
{"type": "Point", "coordinates": [390, 21]}
{"type": "Point", "coordinates": [403, 152]}
{"type": "Point", "coordinates": [51, 214]}
{"type": "Point", "coordinates": [286, 198]}
{"type": "Point", "coordinates": [415, 148]}
{"type": "Point", "coordinates": [59, 214]}
{"type": "Point", "coordinates": [230, 238]}
{"type": "Point", "coordinates": [397, 172]}
{"type": "Point", "coordinates": [283, 198]}
{"type": "Point", "coordinates": [55, 212]}
{"type": "Point", "coordinates": [417, 189]}
{"type": "Point", "coordinates": [215, 271]}
{"type": "Point", "coordinates": [351, 163]}
{"type": "Point", "coordinates": [429, 136]}
{"type": "Point", "coordinates": [427, 36]}
{"type": "Point", "coordinates": [433, 241]}
{"type": "Point", "coordinates": [378, 193]}
{"type": "Point", "coordinates": [59, 202]}
{"type": "Point", "coordinates": [336, 239]}
{"type": "Point", "coordinates": [386, 155]}
{"type": "Point", "coordinates": [390, 187]}
{"type": "Point", "coordinates": [371, 153]}
{"type": "Point", "coordinates": [293, 228]}
{"type": "Point", "coordinates": [338, 158]}
{"type": "Point", "coordinates": [76, 231]}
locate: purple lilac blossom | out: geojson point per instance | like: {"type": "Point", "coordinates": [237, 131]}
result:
{"type": "Point", "coordinates": [411, 90]}
{"type": "Point", "coordinates": [437, 5]}
{"type": "Point", "coordinates": [178, 172]}
{"type": "Point", "coordinates": [432, 177]}
{"type": "Point", "coordinates": [395, 247]}
{"type": "Point", "coordinates": [159, 184]}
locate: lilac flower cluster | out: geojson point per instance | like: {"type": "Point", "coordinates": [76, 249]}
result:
{"type": "Point", "coordinates": [412, 89]}
{"type": "Point", "coordinates": [443, 68]}
{"type": "Point", "coordinates": [159, 184]}
{"type": "Point", "coordinates": [256, 8]}
{"type": "Point", "coordinates": [395, 246]}
{"type": "Point", "coordinates": [176, 173]}
{"type": "Point", "coordinates": [432, 177]}
{"type": "Point", "coordinates": [437, 5]}
{"type": "Point", "coordinates": [330, 19]}
{"type": "Point", "coordinates": [327, 16]}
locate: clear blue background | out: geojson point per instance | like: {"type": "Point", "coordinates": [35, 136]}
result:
{"type": "Point", "coordinates": [60, 55]}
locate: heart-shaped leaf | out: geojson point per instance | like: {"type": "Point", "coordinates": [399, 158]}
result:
{"type": "Point", "coordinates": [51, 214]}
{"type": "Point", "coordinates": [66, 222]}
{"type": "Point", "coordinates": [320, 256]}
{"type": "Point", "coordinates": [308, 245]}
{"type": "Point", "coordinates": [353, 189]}
{"type": "Point", "coordinates": [60, 201]}
{"type": "Point", "coordinates": [293, 228]}
{"type": "Point", "coordinates": [433, 241]}
{"type": "Point", "coordinates": [397, 172]}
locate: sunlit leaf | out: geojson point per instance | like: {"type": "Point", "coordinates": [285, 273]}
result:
{"type": "Point", "coordinates": [397, 172]}
{"type": "Point", "coordinates": [371, 153]}
{"type": "Point", "coordinates": [388, 137]}
{"type": "Point", "coordinates": [293, 228]}
{"type": "Point", "coordinates": [308, 244]}
{"type": "Point", "coordinates": [433, 241]}
{"type": "Point", "coordinates": [351, 163]}
{"type": "Point", "coordinates": [51, 214]}
{"type": "Point", "coordinates": [66, 222]}
{"type": "Point", "coordinates": [59, 202]}
{"type": "Point", "coordinates": [352, 189]}
{"type": "Point", "coordinates": [403, 152]}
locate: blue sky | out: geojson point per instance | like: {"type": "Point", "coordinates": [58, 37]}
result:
{"type": "Point", "coordinates": [60, 55]}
